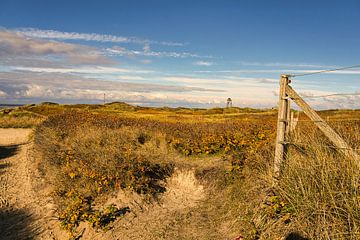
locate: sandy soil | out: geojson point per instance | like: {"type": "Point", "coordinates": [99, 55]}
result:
{"type": "Point", "coordinates": [26, 209]}
{"type": "Point", "coordinates": [13, 136]}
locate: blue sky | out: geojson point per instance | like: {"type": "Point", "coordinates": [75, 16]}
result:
{"type": "Point", "coordinates": [177, 53]}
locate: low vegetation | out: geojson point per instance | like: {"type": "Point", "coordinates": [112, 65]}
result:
{"type": "Point", "coordinates": [89, 152]}
{"type": "Point", "coordinates": [84, 162]}
{"type": "Point", "coordinates": [16, 118]}
{"type": "Point", "coordinates": [318, 193]}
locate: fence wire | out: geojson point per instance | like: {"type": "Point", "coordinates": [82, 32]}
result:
{"type": "Point", "coordinates": [323, 71]}
{"type": "Point", "coordinates": [302, 144]}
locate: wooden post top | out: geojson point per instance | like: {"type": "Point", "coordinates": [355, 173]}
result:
{"type": "Point", "coordinates": [286, 77]}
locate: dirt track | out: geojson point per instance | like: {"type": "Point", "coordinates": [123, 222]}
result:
{"type": "Point", "coordinates": [27, 210]}
{"type": "Point", "coordinates": [25, 207]}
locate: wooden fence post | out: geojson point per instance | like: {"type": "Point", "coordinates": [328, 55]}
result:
{"type": "Point", "coordinates": [288, 118]}
{"type": "Point", "coordinates": [293, 121]}
{"type": "Point", "coordinates": [282, 125]}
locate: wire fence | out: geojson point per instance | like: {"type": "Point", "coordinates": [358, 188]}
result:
{"type": "Point", "coordinates": [324, 71]}
{"type": "Point", "coordinates": [287, 121]}
{"type": "Point", "coordinates": [293, 142]}
{"type": "Point", "coordinates": [332, 95]}
{"type": "Point", "coordinates": [300, 144]}
{"type": "Point", "coordinates": [327, 71]}
{"type": "Point", "coordinates": [333, 120]}
{"type": "Point", "coordinates": [304, 144]}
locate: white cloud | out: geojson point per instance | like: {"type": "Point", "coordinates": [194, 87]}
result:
{"type": "Point", "coordinates": [146, 61]}
{"type": "Point", "coordinates": [146, 47]}
{"type": "Point", "coordinates": [224, 81]}
{"type": "Point", "coordinates": [61, 71]}
{"type": "Point", "coordinates": [203, 63]}
{"type": "Point", "coordinates": [16, 80]}
{"type": "Point", "coordinates": [335, 102]}
{"type": "Point", "coordinates": [53, 34]}
{"type": "Point", "coordinates": [17, 47]}
{"type": "Point", "coordinates": [178, 91]}
{"type": "Point", "coordinates": [147, 52]}
{"type": "Point", "coordinates": [84, 70]}
{"type": "Point", "coordinates": [34, 90]}
{"type": "Point", "coordinates": [280, 71]}
{"type": "Point", "coordinates": [32, 87]}
{"type": "Point", "coordinates": [26, 47]}
{"type": "Point", "coordinates": [13, 44]}
{"type": "Point", "coordinates": [253, 92]}
{"type": "Point", "coordinates": [3, 94]}
{"type": "Point", "coordinates": [306, 93]}
{"type": "Point", "coordinates": [128, 77]}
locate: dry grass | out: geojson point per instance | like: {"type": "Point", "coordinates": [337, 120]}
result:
{"type": "Point", "coordinates": [11, 121]}
{"type": "Point", "coordinates": [318, 193]}
{"type": "Point", "coordinates": [93, 155]}
{"type": "Point", "coordinates": [317, 196]}
{"type": "Point", "coordinates": [31, 115]}
{"type": "Point", "coordinates": [323, 186]}
{"type": "Point", "coordinates": [86, 163]}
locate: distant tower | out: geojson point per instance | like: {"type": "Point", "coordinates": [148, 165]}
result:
{"type": "Point", "coordinates": [229, 103]}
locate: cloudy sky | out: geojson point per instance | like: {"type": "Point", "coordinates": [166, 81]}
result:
{"type": "Point", "coordinates": [178, 53]}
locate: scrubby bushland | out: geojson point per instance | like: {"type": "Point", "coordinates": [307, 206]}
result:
{"type": "Point", "coordinates": [86, 156]}
{"type": "Point", "coordinates": [84, 162]}
{"type": "Point", "coordinates": [317, 196]}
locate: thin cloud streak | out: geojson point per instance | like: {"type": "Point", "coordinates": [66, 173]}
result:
{"type": "Point", "coordinates": [121, 51]}
{"type": "Point", "coordinates": [40, 39]}
{"type": "Point", "coordinates": [281, 71]}
{"type": "Point", "coordinates": [17, 47]}
{"type": "Point", "coordinates": [53, 34]}
{"type": "Point", "coordinates": [203, 63]}
{"type": "Point", "coordinates": [84, 70]}
{"type": "Point", "coordinates": [15, 44]}
{"type": "Point", "coordinates": [225, 82]}
{"type": "Point", "coordinates": [279, 64]}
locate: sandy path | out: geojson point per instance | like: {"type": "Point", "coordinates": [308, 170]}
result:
{"type": "Point", "coordinates": [26, 209]}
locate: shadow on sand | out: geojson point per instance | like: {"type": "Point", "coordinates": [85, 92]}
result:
{"type": "Point", "coordinates": [6, 152]}
{"type": "Point", "coordinates": [14, 224]}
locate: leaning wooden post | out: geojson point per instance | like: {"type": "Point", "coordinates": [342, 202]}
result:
{"type": "Point", "coordinates": [281, 126]}
{"type": "Point", "coordinates": [323, 126]}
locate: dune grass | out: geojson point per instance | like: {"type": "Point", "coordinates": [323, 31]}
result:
{"type": "Point", "coordinates": [89, 154]}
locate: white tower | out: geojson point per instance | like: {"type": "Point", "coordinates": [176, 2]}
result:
{"type": "Point", "coordinates": [229, 103]}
